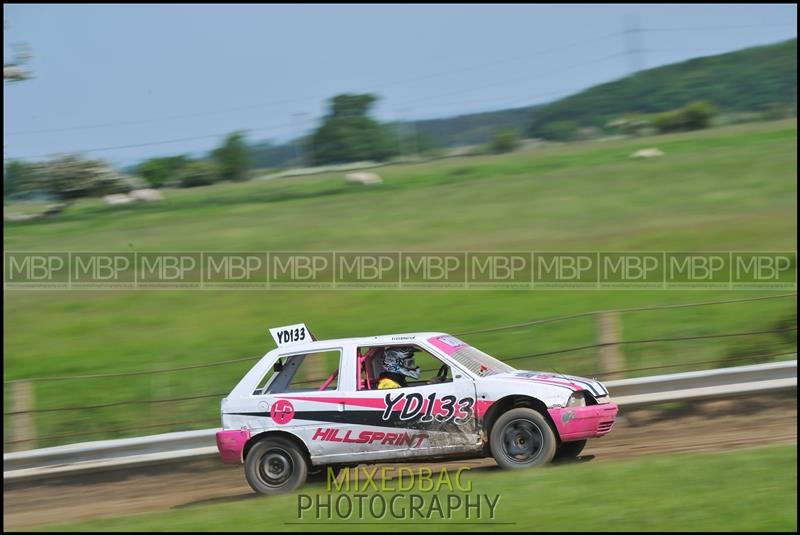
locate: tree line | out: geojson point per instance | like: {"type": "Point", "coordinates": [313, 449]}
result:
{"type": "Point", "coordinates": [678, 97]}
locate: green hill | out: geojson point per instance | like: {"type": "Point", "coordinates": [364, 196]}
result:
{"type": "Point", "coordinates": [472, 128]}
{"type": "Point", "coordinates": [748, 80]}
{"type": "Point", "coordinates": [753, 79]}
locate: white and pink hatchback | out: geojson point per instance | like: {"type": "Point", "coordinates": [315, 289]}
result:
{"type": "Point", "coordinates": [314, 403]}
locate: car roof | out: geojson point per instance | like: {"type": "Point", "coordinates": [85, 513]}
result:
{"type": "Point", "coordinates": [387, 339]}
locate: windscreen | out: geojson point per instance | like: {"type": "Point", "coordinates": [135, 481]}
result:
{"type": "Point", "coordinates": [479, 362]}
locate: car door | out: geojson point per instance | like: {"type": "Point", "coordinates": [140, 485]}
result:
{"type": "Point", "coordinates": [417, 420]}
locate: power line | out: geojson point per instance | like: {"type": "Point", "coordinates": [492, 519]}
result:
{"type": "Point", "coordinates": [633, 45]}
{"type": "Point", "coordinates": [164, 142]}
{"type": "Point", "coordinates": [635, 65]}
{"type": "Point", "coordinates": [407, 103]}
{"type": "Point", "coordinates": [506, 104]}
{"type": "Point", "coordinates": [715, 28]}
{"type": "Point", "coordinates": [288, 125]}
{"type": "Point", "coordinates": [513, 80]}
{"type": "Point", "coordinates": [505, 60]}
{"type": "Point", "coordinates": [159, 119]}
{"type": "Point", "coordinates": [713, 51]}
{"type": "Point", "coordinates": [437, 74]}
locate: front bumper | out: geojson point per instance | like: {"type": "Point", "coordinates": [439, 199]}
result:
{"type": "Point", "coordinates": [577, 423]}
{"type": "Point", "coordinates": [230, 444]}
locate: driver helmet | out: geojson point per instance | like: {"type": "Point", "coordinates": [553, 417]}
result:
{"type": "Point", "coordinates": [401, 360]}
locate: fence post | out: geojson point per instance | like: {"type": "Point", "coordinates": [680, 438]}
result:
{"type": "Point", "coordinates": [22, 426]}
{"type": "Point", "coordinates": [610, 358]}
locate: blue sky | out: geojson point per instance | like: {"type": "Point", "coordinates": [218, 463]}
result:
{"type": "Point", "coordinates": [194, 72]}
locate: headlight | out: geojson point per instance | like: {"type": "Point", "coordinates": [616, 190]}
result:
{"type": "Point", "coordinates": [576, 400]}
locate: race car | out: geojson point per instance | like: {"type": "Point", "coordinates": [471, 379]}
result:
{"type": "Point", "coordinates": [285, 419]}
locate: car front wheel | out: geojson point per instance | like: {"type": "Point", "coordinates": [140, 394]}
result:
{"type": "Point", "coordinates": [522, 438]}
{"type": "Point", "coordinates": [274, 466]}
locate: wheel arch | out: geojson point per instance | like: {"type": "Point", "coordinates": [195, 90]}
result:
{"type": "Point", "coordinates": [253, 440]}
{"type": "Point", "coordinates": [514, 401]}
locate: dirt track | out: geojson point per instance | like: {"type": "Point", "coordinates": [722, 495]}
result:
{"type": "Point", "coordinates": [709, 426]}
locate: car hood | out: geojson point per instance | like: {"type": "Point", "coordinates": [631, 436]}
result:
{"type": "Point", "coordinates": [571, 382]}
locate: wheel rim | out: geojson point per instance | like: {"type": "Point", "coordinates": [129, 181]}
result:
{"type": "Point", "coordinates": [275, 467]}
{"type": "Point", "coordinates": [522, 440]}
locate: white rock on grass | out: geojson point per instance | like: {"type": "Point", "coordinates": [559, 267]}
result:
{"type": "Point", "coordinates": [118, 198]}
{"type": "Point", "coordinates": [363, 178]}
{"type": "Point", "coordinates": [147, 195]}
{"type": "Point", "coordinates": [647, 153]}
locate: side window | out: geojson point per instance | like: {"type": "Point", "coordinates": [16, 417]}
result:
{"type": "Point", "coordinates": [311, 372]}
{"type": "Point", "coordinates": [372, 365]}
{"type": "Point", "coordinates": [430, 366]}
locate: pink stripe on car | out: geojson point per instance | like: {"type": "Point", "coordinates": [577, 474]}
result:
{"type": "Point", "coordinates": [372, 403]}
{"type": "Point", "coordinates": [447, 344]}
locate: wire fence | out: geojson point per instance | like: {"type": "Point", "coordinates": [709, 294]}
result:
{"type": "Point", "coordinates": [530, 323]}
{"type": "Point", "coordinates": [763, 356]}
{"type": "Point", "coordinates": [623, 310]}
{"type": "Point", "coordinates": [321, 379]}
{"type": "Point", "coordinates": [211, 421]}
{"type": "Point", "coordinates": [651, 340]}
{"type": "Point", "coordinates": [117, 431]}
{"type": "Point", "coordinates": [766, 353]}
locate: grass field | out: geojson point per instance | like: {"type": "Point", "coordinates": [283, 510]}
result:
{"type": "Point", "coordinates": [724, 189]}
{"type": "Point", "coordinates": [750, 489]}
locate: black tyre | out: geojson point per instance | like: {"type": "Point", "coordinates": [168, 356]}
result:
{"type": "Point", "coordinates": [522, 438]}
{"type": "Point", "coordinates": [275, 465]}
{"type": "Point", "coordinates": [570, 450]}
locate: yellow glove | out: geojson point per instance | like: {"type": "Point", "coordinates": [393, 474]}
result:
{"type": "Point", "coordinates": [385, 382]}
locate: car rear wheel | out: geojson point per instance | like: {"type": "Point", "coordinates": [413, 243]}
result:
{"type": "Point", "coordinates": [522, 438]}
{"type": "Point", "coordinates": [570, 450]}
{"type": "Point", "coordinates": [274, 466]}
